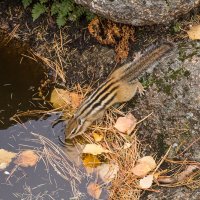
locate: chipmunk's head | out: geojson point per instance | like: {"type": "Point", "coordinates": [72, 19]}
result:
{"type": "Point", "coordinates": [76, 126]}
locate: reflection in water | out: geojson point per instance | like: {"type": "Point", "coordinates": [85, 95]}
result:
{"type": "Point", "coordinates": [19, 80]}
{"type": "Point", "coordinates": [41, 179]}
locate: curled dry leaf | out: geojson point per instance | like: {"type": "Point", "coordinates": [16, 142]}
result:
{"type": "Point", "coordinates": [91, 161]}
{"type": "Point", "coordinates": [146, 182]}
{"type": "Point", "coordinates": [5, 158]}
{"type": "Point", "coordinates": [107, 172]}
{"type": "Point", "coordinates": [97, 137]}
{"type": "Point", "coordinates": [126, 124]}
{"type": "Point", "coordinates": [63, 98]}
{"type": "Point", "coordinates": [194, 32]}
{"type": "Point", "coordinates": [179, 177]}
{"type": "Point", "coordinates": [144, 166]}
{"type": "Point", "coordinates": [27, 158]}
{"type": "Point", "coordinates": [94, 149]}
{"type": "Point", "coordinates": [94, 190]}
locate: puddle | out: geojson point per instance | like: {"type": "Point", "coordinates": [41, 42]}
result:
{"type": "Point", "coordinates": [19, 80]}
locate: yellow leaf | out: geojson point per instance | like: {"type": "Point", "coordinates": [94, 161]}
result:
{"type": "Point", "coordinates": [194, 32]}
{"type": "Point", "coordinates": [94, 190]}
{"type": "Point", "coordinates": [27, 158]}
{"type": "Point", "coordinates": [5, 158]}
{"type": "Point", "coordinates": [94, 149]}
{"type": "Point", "coordinates": [146, 182]}
{"type": "Point", "coordinates": [91, 161]}
{"type": "Point", "coordinates": [60, 98]}
{"type": "Point", "coordinates": [63, 98]}
{"type": "Point", "coordinates": [107, 172]}
{"type": "Point", "coordinates": [97, 137]}
{"type": "Point", "coordinates": [126, 124]}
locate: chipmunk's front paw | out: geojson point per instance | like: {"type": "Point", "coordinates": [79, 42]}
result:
{"type": "Point", "coordinates": [140, 88]}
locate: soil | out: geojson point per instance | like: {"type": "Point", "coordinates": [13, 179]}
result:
{"type": "Point", "coordinates": [172, 94]}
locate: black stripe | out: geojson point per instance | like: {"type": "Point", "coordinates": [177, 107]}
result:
{"type": "Point", "coordinates": [103, 97]}
{"type": "Point", "coordinates": [98, 95]}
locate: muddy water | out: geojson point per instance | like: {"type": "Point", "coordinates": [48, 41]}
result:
{"type": "Point", "coordinates": [19, 80]}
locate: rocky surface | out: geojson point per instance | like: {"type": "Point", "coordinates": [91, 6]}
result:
{"type": "Point", "coordinates": [140, 12]}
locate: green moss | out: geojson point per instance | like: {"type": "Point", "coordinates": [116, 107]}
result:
{"type": "Point", "coordinates": [164, 84]}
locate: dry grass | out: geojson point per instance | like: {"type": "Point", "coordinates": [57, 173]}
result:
{"type": "Point", "coordinates": [55, 157]}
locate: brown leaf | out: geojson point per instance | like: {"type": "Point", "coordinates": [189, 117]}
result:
{"type": "Point", "coordinates": [194, 32]}
{"type": "Point", "coordinates": [94, 190]}
{"type": "Point", "coordinates": [27, 158]}
{"type": "Point", "coordinates": [5, 158]}
{"type": "Point", "coordinates": [126, 124]}
{"type": "Point", "coordinates": [75, 99]}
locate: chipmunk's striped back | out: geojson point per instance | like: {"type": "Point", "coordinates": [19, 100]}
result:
{"type": "Point", "coordinates": [121, 86]}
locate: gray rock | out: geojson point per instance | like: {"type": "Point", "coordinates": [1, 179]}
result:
{"type": "Point", "coordinates": [140, 12]}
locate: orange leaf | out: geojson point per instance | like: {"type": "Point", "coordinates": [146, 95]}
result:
{"type": "Point", "coordinates": [27, 158]}
{"type": "Point", "coordinates": [94, 190]}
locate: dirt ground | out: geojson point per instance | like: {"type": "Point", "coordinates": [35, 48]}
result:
{"type": "Point", "coordinates": [172, 95]}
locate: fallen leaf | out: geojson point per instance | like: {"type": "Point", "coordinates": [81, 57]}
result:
{"type": "Point", "coordinates": [97, 137]}
{"type": "Point", "coordinates": [62, 98]}
{"type": "Point", "coordinates": [149, 160]}
{"type": "Point", "coordinates": [75, 99]}
{"type": "Point", "coordinates": [146, 182]}
{"type": "Point", "coordinates": [5, 158]}
{"type": "Point", "coordinates": [141, 169]}
{"type": "Point", "coordinates": [194, 32]}
{"type": "Point", "coordinates": [94, 190]}
{"type": "Point", "coordinates": [126, 124]}
{"type": "Point", "coordinates": [107, 172]}
{"type": "Point", "coordinates": [189, 170]}
{"type": "Point", "coordinates": [27, 158]}
{"type": "Point", "coordinates": [91, 161]}
{"type": "Point", "coordinates": [144, 166]}
{"type": "Point", "coordinates": [94, 149]}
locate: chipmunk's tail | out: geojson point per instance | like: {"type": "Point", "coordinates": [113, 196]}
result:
{"type": "Point", "coordinates": [154, 53]}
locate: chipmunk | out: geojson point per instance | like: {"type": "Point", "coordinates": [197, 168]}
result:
{"type": "Point", "coordinates": [121, 86]}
